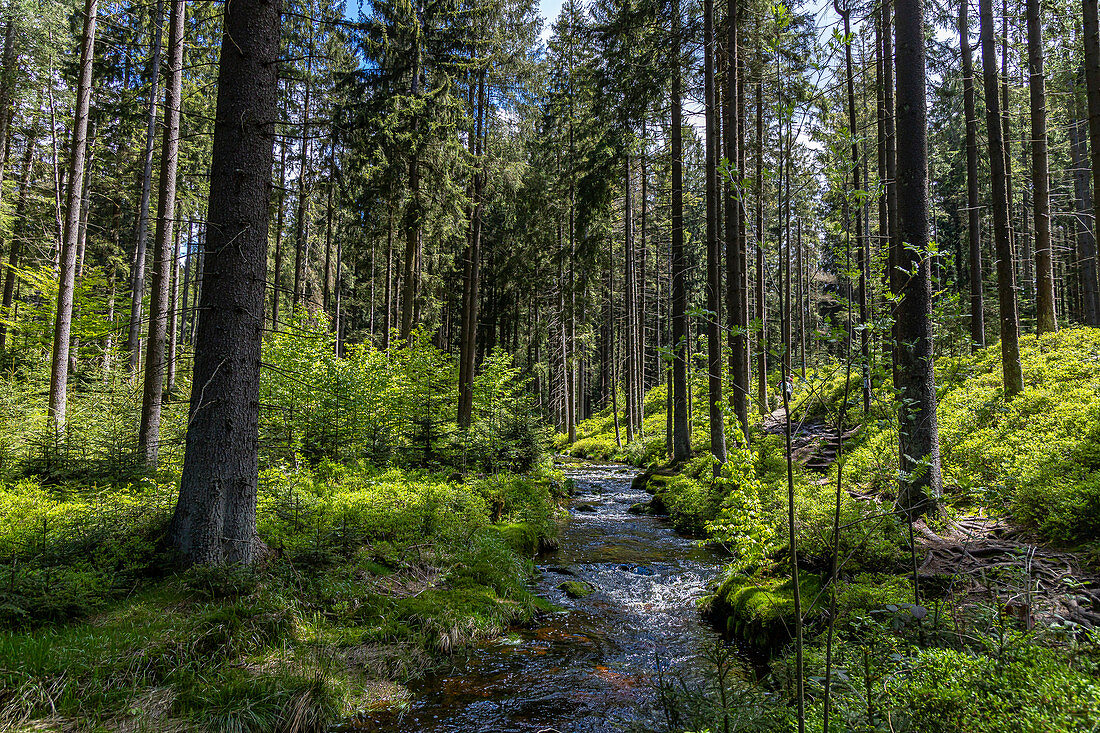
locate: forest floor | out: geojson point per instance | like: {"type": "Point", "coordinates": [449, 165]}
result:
{"type": "Point", "coordinates": [970, 558]}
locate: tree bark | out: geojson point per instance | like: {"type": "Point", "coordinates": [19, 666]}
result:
{"type": "Point", "coordinates": [215, 517]}
{"type": "Point", "coordinates": [1089, 266]}
{"type": "Point", "coordinates": [301, 221]}
{"type": "Point", "coordinates": [7, 95]}
{"type": "Point", "coordinates": [714, 277]}
{"type": "Point", "coordinates": [681, 429]}
{"type": "Point", "coordinates": [141, 236]}
{"type": "Point", "coordinates": [1046, 320]}
{"type": "Point", "coordinates": [471, 272]}
{"type": "Point", "coordinates": [735, 313]}
{"type": "Point", "coordinates": [1006, 275]}
{"type": "Point", "coordinates": [1086, 268]}
{"type": "Point", "coordinates": [974, 225]}
{"type": "Point", "coordinates": [919, 448]}
{"type": "Point", "coordinates": [163, 264]}
{"type": "Point", "coordinates": [761, 311]}
{"type": "Point", "coordinates": [63, 322]}
{"type": "Point", "coordinates": [18, 232]}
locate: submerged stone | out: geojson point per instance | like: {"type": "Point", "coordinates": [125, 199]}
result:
{"type": "Point", "coordinates": [576, 588]}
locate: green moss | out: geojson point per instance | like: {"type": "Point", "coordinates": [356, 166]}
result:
{"type": "Point", "coordinates": [520, 537]}
{"type": "Point", "coordinates": [576, 588]}
{"type": "Point", "coordinates": [761, 612]}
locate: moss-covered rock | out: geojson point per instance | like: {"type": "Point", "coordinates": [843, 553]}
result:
{"type": "Point", "coordinates": [519, 536]}
{"type": "Point", "coordinates": [576, 588]}
{"type": "Point", "coordinates": [760, 612]}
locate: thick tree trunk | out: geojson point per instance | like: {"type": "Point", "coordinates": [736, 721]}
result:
{"type": "Point", "coordinates": [1046, 320]}
{"type": "Point", "coordinates": [714, 276]}
{"type": "Point", "coordinates": [141, 236]}
{"type": "Point", "coordinates": [1006, 275]}
{"type": "Point", "coordinates": [630, 391]}
{"type": "Point", "coordinates": [59, 369]}
{"type": "Point", "coordinates": [215, 517]}
{"type": "Point", "coordinates": [974, 214]}
{"type": "Point", "coordinates": [681, 429]}
{"type": "Point", "coordinates": [919, 448]}
{"type": "Point", "coordinates": [1089, 265]}
{"type": "Point", "coordinates": [163, 263]}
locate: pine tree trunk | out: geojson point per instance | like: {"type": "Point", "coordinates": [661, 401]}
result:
{"type": "Point", "coordinates": [735, 313]}
{"type": "Point", "coordinates": [1006, 275]}
{"type": "Point", "coordinates": [861, 248]}
{"type": "Point", "coordinates": [18, 232]}
{"type": "Point", "coordinates": [173, 316]}
{"type": "Point", "coordinates": [974, 226]}
{"type": "Point", "coordinates": [714, 277]}
{"type": "Point", "coordinates": [919, 448]}
{"type": "Point", "coordinates": [7, 95]}
{"type": "Point", "coordinates": [141, 236]}
{"type": "Point", "coordinates": [163, 263]}
{"type": "Point", "coordinates": [301, 221]}
{"type": "Point", "coordinates": [1047, 321]}
{"type": "Point", "coordinates": [761, 311]}
{"type": "Point", "coordinates": [1089, 265]}
{"type": "Point", "coordinates": [59, 369]}
{"type": "Point", "coordinates": [681, 429]}
{"type": "Point", "coordinates": [215, 517]}
{"type": "Point", "coordinates": [277, 276]}
{"type": "Point", "coordinates": [1087, 285]}
{"type": "Point", "coordinates": [471, 272]}
{"type": "Point", "coordinates": [629, 311]}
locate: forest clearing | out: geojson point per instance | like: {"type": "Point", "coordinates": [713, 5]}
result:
{"type": "Point", "coordinates": [488, 365]}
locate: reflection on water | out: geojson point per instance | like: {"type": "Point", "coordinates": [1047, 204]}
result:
{"type": "Point", "coordinates": [590, 667]}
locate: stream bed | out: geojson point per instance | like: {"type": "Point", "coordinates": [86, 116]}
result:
{"type": "Point", "coordinates": [592, 666]}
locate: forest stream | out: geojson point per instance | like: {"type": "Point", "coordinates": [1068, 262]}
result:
{"type": "Point", "coordinates": [592, 666]}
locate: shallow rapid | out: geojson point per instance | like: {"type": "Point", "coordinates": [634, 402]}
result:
{"type": "Point", "coordinates": [591, 667]}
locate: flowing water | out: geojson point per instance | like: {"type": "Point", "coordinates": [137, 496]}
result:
{"type": "Point", "coordinates": [592, 666]}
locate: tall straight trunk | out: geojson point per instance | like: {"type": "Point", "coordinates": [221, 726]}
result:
{"type": "Point", "coordinates": [761, 311]}
{"type": "Point", "coordinates": [187, 269]}
{"type": "Point", "coordinates": [1089, 266]}
{"type": "Point", "coordinates": [974, 221]}
{"type": "Point", "coordinates": [640, 319]}
{"type": "Point", "coordinates": [141, 236]}
{"type": "Point", "coordinates": [629, 311]}
{"type": "Point", "coordinates": [163, 263]}
{"type": "Point", "coordinates": [277, 276]}
{"type": "Point", "coordinates": [714, 276]}
{"type": "Point", "coordinates": [735, 300]}
{"type": "Point", "coordinates": [301, 221]}
{"type": "Point", "coordinates": [861, 248]}
{"type": "Point", "coordinates": [59, 368]}
{"type": "Point", "coordinates": [1046, 320]}
{"type": "Point", "coordinates": [1006, 125]}
{"type": "Point", "coordinates": [18, 232]}
{"type": "Point", "coordinates": [338, 280]}
{"type": "Point", "coordinates": [7, 95]}
{"type": "Point", "coordinates": [412, 225]}
{"type": "Point", "coordinates": [801, 295]}
{"type": "Point", "coordinates": [471, 274]}
{"type": "Point", "coordinates": [1088, 286]}
{"type": "Point", "coordinates": [681, 429]}
{"type": "Point", "coordinates": [387, 318]}
{"type": "Point", "coordinates": [173, 316]}
{"type": "Point", "coordinates": [327, 288]}
{"type": "Point", "coordinates": [1006, 275]}
{"type": "Point", "coordinates": [919, 445]}
{"type": "Point", "coordinates": [895, 280]}
{"type": "Point", "coordinates": [215, 517]}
